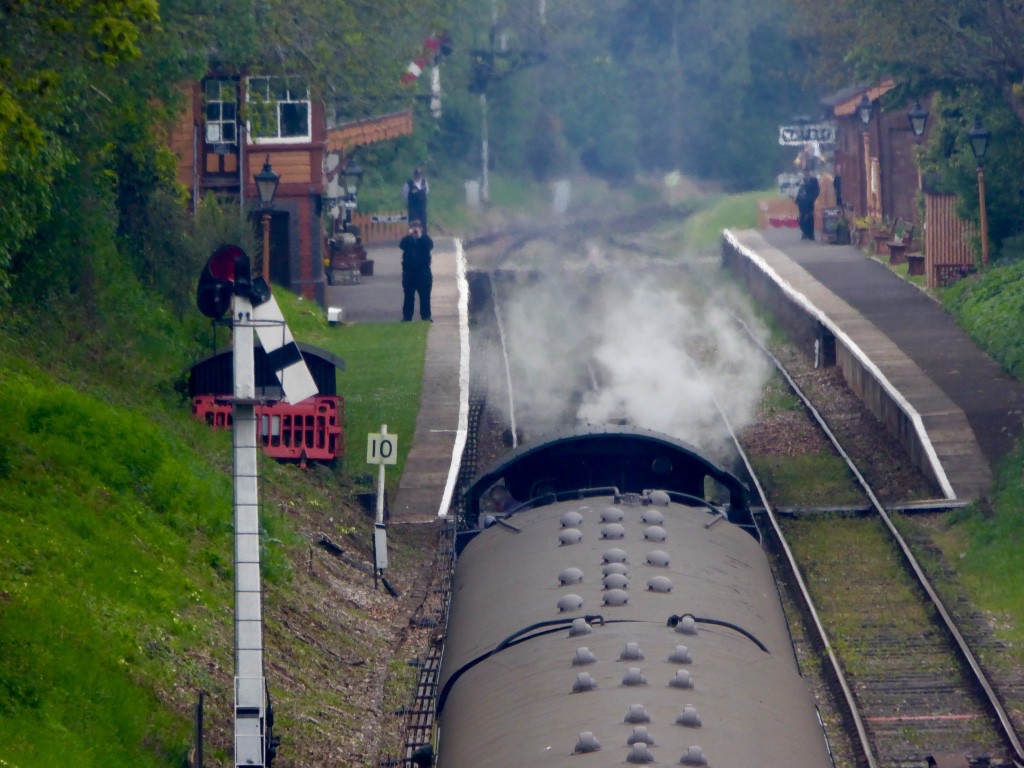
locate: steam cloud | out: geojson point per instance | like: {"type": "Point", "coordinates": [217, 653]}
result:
{"type": "Point", "coordinates": [651, 352]}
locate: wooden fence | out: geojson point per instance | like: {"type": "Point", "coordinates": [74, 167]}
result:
{"type": "Point", "coordinates": [380, 227]}
{"type": "Point", "coordinates": [948, 255]}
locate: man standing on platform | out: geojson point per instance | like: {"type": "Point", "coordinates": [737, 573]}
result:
{"type": "Point", "coordinates": [806, 196]}
{"type": "Point", "coordinates": [416, 275]}
{"type": "Point", "coordinates": [414, 191]}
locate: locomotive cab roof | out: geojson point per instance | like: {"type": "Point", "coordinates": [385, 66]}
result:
{"type": "Point", "coordinates": [629, 460]}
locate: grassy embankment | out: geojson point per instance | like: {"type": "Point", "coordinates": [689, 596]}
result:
{"type": "Point", "coordinates": [116, 589]}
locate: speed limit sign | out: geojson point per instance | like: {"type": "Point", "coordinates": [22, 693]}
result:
{"type": "Point", "coordinates": [382, 448]}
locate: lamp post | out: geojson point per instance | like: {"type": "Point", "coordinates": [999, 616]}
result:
{"type": "Point", "coordinates": [979, 137]}
{"type": "Point", "coordinates": [266, 187]}
{"type": "Point", "coordinates": [865, 110]}
{"type": "Point", "coordinates": [352, 177]}
{"type": "Point", "coordinates": [918, 119]}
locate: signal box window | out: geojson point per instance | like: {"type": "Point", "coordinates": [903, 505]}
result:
{"type": "Point", "coordinates": [221, 98]}
{"type": "Point", "coordinates": [279, 110]}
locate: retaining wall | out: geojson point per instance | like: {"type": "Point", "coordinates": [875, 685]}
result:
{"type": "Point", "coordinates": [819, 336]}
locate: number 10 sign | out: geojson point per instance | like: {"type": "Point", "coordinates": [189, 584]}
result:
{"type": "Point", "coordinates": [382, 448]}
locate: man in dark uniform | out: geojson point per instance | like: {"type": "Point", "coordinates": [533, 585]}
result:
{"type": "Point", "coordinates": [414, 191]}
{"type": "Point", "coordinates": [416, 275]}
{"type": "Point", "coordinates": [806, 196]}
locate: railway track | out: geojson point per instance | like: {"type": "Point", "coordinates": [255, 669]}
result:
{"type": "Point", "coordinates": [905, 675]}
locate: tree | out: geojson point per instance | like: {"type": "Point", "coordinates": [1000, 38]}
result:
{"type": "Point", "coordinates": [707, 83]}
{"type": "Point", "coordinates": [53, 56]}
{"type": "Point", "coordinates": [948, 43]}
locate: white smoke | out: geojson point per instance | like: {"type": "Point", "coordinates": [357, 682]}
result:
{"type": "Point", "coordinates": [661, 354]}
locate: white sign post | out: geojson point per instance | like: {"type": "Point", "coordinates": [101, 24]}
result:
{"type": "Point", "coordinates": [382, 449]}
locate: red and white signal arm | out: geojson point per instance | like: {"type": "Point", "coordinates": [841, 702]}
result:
{"type": "Point", "coordinates": [382, 448]}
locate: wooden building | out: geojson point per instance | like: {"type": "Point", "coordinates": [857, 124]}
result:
{"type": "Point", "coordinates": [234, 125]}
{"type": "Point", "coordinates": [876, 162]}
{"type": "Point", "coordinates": [881, 180]}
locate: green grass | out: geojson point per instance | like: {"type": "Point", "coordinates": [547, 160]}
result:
{"type": "Point", "coordinates": [703, 229]}
{"type": "Point", "coordinates": [116, 529]}
{"type": "Point", "coordinates": [101, 511]}
{"type": "Point", "coordinates": [382, 380]}
{"type": "Point", "coordinates": [988, 307]}
{"type": "Point", "coordinates": [847, 588]}
{"type": "Point", "coordinates": [806, 480]}
{"type": "Point", "coordinates": [985, 545]}
{"type": "Point", "coordinates": [778, 398]}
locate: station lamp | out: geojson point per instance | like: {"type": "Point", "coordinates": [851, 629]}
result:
{"type": "Point", "coordinates": [266, 187]}
{"type": "Point", "coordinates": [353, 177]}
{"type": "Point", "coordinates": [865, 109]}
{"type": "Point", "coordinates": [266, 184]}
{"type": "Point", "coordinates": [979, 137]}
{"type": "Point", "coordinates": [918, 119]}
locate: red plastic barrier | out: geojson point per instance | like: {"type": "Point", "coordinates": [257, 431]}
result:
{"type": "Point", "coordinates": [311, 430]}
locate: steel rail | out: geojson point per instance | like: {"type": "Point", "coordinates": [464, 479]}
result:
{"type": "Point", "coordinates": [967, 655]}
{"type": "Point", "coordinates": [853, 710]}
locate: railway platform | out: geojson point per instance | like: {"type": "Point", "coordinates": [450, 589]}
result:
{"type": "Point", "coordinates": [435, 453]}
{"type": "Point", "coordinates": [968, 412]}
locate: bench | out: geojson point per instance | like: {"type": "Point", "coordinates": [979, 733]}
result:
{"type": "Point", "coordinates": [902, 237]}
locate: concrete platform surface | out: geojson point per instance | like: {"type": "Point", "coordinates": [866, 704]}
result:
{"type": "Point", "coordinates": [971, 409]}
{"type": "Point", "coordinates": [435, 454]}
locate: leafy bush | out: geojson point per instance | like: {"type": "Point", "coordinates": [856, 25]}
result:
{"type": "Point", "coordinates": [988, 308]}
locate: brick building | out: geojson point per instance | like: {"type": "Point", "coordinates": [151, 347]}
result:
{"type": "Point", "coordinates": [233, 124]}
{"type": "Point", "coordinates": [876, 161]}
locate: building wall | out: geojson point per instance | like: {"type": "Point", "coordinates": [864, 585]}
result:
{"type": "Point", "coordinates": [888, 155]}
{"type": "Point", "coordinates": [849, 163]}
{"type": "Point", "coordinates": [183, 137]}
{"type": "Point", "coordinates": [899, 171]}
{"type": "Point", "coordinates": [202, 169]}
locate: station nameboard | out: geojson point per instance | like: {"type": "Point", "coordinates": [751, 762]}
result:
{"type": "Point", "coordinates": [795, 135]}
